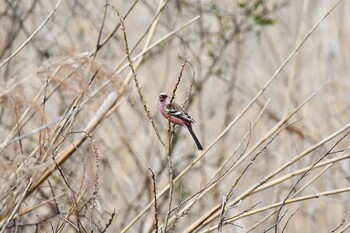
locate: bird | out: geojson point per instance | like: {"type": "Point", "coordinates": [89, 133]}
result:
{"type": "Point", "coordinates": [177, 115]}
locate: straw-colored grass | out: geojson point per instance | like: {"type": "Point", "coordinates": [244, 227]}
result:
{"type": "Point", "coordinates": [84, 149]}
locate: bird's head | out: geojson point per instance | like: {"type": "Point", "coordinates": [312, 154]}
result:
{"type": "Point", "coordinates": [163, 96]}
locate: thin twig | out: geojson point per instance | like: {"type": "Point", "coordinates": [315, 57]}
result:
{"type": "Point", "coordinates": [304, 175]}
{"type": "Point", "coordinates": [18, 205]}
{"type": "Point", "coordinates": [109, 222]}
{"type": "Point", "coordinates": [32, 35]}
{"type": "Point", "coordinates": [148, 113]}
{"type": "Point", "coordinates": [156, 220]}
{"type": "Point", "coordinates": [290, 217]}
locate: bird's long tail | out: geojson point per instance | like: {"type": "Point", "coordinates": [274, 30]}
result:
{"type": "Point", "coordinates": [195, 139]}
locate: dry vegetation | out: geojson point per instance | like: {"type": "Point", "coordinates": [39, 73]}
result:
{"type": "Point", "coordinates": [84, 149]}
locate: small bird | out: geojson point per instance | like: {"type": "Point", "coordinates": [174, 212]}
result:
{"type": "Point", "coordinates": [178, 115]}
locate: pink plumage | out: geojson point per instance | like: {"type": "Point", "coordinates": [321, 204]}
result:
{"type": "Point", "coordinates": [178, 115]}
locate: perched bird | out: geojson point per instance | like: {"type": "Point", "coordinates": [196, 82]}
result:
{"type": "Point", "coordinates": [178, 115]}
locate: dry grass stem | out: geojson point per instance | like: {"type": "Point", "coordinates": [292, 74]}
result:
{"type": "Point", "coordinates": [84, 148]}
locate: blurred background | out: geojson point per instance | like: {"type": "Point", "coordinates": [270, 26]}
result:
{"type": "Point", "coordinates": [78, 148]}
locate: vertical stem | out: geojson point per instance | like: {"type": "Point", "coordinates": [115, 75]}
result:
{"type": "Point", "coordinates": [171, 182]}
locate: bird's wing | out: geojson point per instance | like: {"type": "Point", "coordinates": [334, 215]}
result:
{"type": "Point", "coordinates": [178, 112]}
